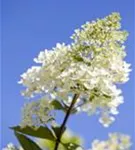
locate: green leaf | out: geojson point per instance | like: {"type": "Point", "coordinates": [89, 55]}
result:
{"type": "Point", "coordinates": [57, 105]}
{"type": "Point", "coordinates": [57, 130]}
{"type": "Point", "coordinates": [26, 143]}
{"type": "Point", "coordinates": [40, 132]}
{"type": "Point", "coordinates": [71, 146]}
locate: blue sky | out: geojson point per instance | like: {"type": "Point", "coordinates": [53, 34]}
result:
{"type": "Point", "coordinates": [29, 26]}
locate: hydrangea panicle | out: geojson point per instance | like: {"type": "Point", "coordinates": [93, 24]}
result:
{"type": "Point", "coordinates": [91, 66]}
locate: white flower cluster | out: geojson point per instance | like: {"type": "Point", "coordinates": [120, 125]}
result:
{"type": "Point", "coordinates": [37, 113]}
{"type": "Point", "coordinates": [11, 146]}
{"type": "Point", "coordinates": [91, 66]}
{"type": "Point", "coordinates": [116, 141]}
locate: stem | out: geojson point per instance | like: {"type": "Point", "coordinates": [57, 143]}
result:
{"type": "Point", "coordinates": [65, 121]}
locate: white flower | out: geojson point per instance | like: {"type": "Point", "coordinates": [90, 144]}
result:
{"type": "Point", "coordinates": [37, 113]}
{"type": "Point", "coordinates": [91, 66]}
{"type": "Point", "coordinates": [106, 120]}
{"type": "Point", "coordinates": [11, 146]}
{"type": "Point", "coordinates": [116, 141]}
